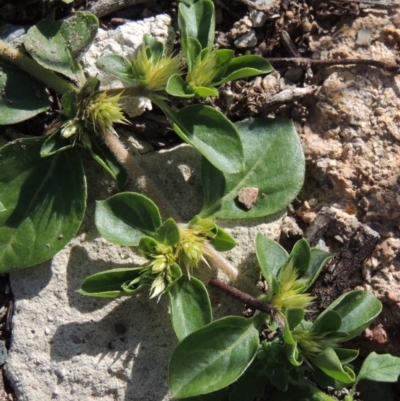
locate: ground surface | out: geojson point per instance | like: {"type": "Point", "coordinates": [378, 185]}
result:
{"type": "Point", "coordinates": [347, 116]}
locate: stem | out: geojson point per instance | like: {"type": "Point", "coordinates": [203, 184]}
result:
{"type": "Point", "coordinates": [137, 174]}
{"type": "Point", "coordinates": [34, 69]}
{"type": "Point", "coordinates": [234, 276]}
{"type": "Point", "coordinates": [243, 297]}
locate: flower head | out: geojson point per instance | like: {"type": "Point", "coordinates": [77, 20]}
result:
{"type": "Point", "coordinates": [290, 294]}
{"type": "Point", "coordinates": [191, 248]}
{"type": "Point", "coordinates": [204, 71]}
{"type": "Point", "coordinates": [153, 72]}
{"type": "Point", "coordinates": [91, 111]}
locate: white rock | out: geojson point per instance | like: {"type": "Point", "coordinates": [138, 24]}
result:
{"type": "Point", "coordinates": [258, 18]}
{"type": "Point", "coordinates": [249, 39]}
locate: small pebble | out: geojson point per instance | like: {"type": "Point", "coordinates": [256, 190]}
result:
{"type": "Point", "coordinates": [258, 18]}
{"type": "Point", "coordinates": [249, 39]}
{"type": "Point", "coordinates": [3, 352]}
{"type": "Point", "coordinates": [47, 331]}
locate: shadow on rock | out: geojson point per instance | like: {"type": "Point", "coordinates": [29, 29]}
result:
{"type": "Point", "coordinates": [132, 343]}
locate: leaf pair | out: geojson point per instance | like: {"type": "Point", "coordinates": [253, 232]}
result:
{"type": "Point", "coordinates": [306, 262]}
{"type": "Point", "coordinates": [318, 342]}
{"type": "Point", "coordinates": [208, 68]}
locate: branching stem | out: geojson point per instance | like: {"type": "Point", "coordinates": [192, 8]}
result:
{"type": "Point", "coordinates": [34, 69]}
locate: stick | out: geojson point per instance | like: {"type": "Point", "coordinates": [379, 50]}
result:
{"type": "Point", "coordinates": [243, 297]}
{"type": "Point", "coordinates": [104, 7]}
{"type": "Point", "coordinates": [307, 62]}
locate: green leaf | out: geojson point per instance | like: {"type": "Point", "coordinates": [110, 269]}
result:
{"type": "Point", "coordinates": [176, 273]}
{"type": "Point", "coordinates": [245, 66]}
{"type": "Point", "coordinates": [2, 208]}
{"type": "Point", "coordinates": [346, 355]}
{"type": "Point", "coordinates": [147, 246]}
{"type": "Point", "coordinates": [291, 348]}
{"type": "Point", "coordinates": [358, 309]}
{"type": "Point", "coordinates": [57, 46]}
{"type": "Point", "coordinates": [222, 241]}
{"type": "Point", "coordinates": [155, 47]}
{"type": "Point", "coordinates": [197, 21]}
{"type": "Point", "coordinates": [202, 91]}
{"type": "Point", "coordinates": [45, 201]}
{"type": "Point", "coordinates": [327, 322]}
{"type": "Point", "coordinates": [294, 317]}
{"type": "Point", "coordinates": [176, 86]}
{"type": "Point", "coordinates": [274, 163]}
{"type": "Point", "coordinates": [103, 155]}
{"type": "Point", "coordinates": [300, 256]}
{"type": "Point", "coordinates": [20, 96]}
{"type": "Point", "coordinates": [55, 143]}
{"type": "Point", "coordinates": [117, 66]}
{"type": "Point", "coordinates": [108, 284]}
{"type": "Point", "coordinates": [190, 306]}
{"type": "Point", "coordinates": [271, 257]}
{"type": "Point", "coordinates": [213, 357]}
{"type": "Point", "coordinates": [168, 233]}
{"type": "Point", "coordinates": [126, 217]}
{"type": "Point", "coordinates": [318, 260]}
{"type": "Point", "coordinates": [210, 132]}
{"type": "Point", "coordinates": [380, 368]}
{"type": "Point", "coordinates": [193, 51]}
{"type": "Point", "coordinates": [330, 364]}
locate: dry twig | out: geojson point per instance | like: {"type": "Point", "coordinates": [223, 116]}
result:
{"type": "Point", "coordinates": [308, 62]}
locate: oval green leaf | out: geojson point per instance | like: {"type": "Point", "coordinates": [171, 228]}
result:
{"type": "Point", "coordinates": [190, 306]}
{"type": "Point", "coordinates": [58, 45]}
{"type": "Point", "coordinates": [117, 66]}
{"type": "Point", "coordinates": [108, 284]}
{"type": "Point", "coordinates": [245, 66]}
{"type": "Point", "coordinates": [330, 364]}
{"type": "Point", "coordinates": [212, 134]}
{"type": "Point", "coordinates": [318, 260]}
{"type": "Point", "coordinates": [274, 164]}
{"type": "Point", "coordinates": [300, 256]}
{"type": "Point", "coordinates": [176, 86]}
{"type": "Point", "coordinates": [213, 357]}
{"type": "Point", "coordinates": [222, 241]}
{"type": "Point", "coordinates": [20, 96]}
{"type": "Point", "coordinates": [271, 257]}
{"type": "Point", "coordinates": [197, 21]}
{"type": "Point", "coordinates": [168, 233]}
{"type": "Point", "coordinates": [45, 200]}
{"type": "Point", "coordinates": [126, 217]}
{"type": "Point", "coordinates": [380, 368]}
{"type": "Point", "coordinates": [358, 309]}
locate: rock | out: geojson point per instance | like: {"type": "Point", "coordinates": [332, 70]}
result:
{"type": "Point", "coordinates": [258, 18]}
{"type": "Point", "coordinates": [364, 37]}
{"type": "Point", "coordinates": [3, 352]}
{"type": "Point", "coordinates": [249, 39]}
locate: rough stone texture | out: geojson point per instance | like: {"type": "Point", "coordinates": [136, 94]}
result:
{"type": "Point", "coordinates": [352, 141]}
{"type": "Point", "coordinates": [123, 41]}
{"type": "Point", "coordinates": [68, 347]}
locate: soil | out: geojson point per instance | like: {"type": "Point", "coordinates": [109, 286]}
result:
{"type": "Point", "coordinates": [346, 114]}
